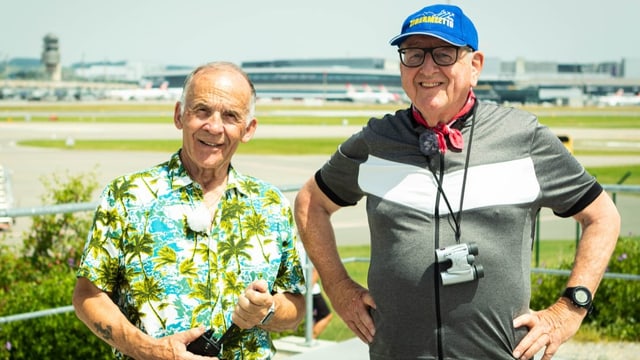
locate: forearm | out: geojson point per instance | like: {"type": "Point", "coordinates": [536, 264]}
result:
{"type": "Point", "coordinates": [320, 244]}
{"type": "Point", "coordinates": [103, 317]}
{"type": "Point", "coordinates": [600, 231]}
{"type": "Point", "coordinates": [313, 218]}
{"type": "Point", "coordinates": [289, 312]}
{"type": "Point", "coordinates": [349, 299]}
{"type": "Point", "coordinates": [551, 327]}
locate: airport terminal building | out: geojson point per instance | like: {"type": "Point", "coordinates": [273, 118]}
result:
{"type": "Point", "coordinates": [518, 81]}
{"type": "Point", "coordinates": [378, 80]}
{"type": "Point", "coordinates": [309, 79]}
{"type": "Point", "coordinates": [324, 79]}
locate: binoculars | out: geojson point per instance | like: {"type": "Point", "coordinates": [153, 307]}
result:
{"type": "Point", "coordinates": [459, 260]}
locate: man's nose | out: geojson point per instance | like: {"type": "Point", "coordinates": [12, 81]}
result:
{"type": "Point", "coordinates": [214, 122]}
{"type": "Point", "coordinates": [428, 63]}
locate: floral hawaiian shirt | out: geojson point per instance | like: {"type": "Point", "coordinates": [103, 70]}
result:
{"type": "Point", "coordinates": [154, 248]}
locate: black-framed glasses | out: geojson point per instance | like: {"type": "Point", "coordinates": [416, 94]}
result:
{"type": "Point", "coordinates": [441, 55]}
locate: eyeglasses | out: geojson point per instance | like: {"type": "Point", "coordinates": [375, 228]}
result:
{"type": "Point", "coordinates": [441, 55]}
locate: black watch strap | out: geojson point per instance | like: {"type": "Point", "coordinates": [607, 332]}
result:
{"type": "Point", "coordinates": [580, 296]}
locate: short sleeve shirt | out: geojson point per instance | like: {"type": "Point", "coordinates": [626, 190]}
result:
{"type": "Point", "coordinates": [171, 266]}
{"type": "Point", "coordinates": [488, 194]}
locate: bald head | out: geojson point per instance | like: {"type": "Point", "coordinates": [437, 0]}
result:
{"type": "Point", "coordinates": [214, 67]}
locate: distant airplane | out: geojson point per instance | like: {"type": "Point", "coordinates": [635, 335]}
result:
{"type": "Point", "coordinates": [619, 99]}
{"type": "Point", "coordinates": [163, 92]}
{"type": "Point", "coordinates": [383, 96]}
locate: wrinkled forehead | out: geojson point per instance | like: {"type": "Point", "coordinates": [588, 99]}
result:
{"type": "Point", "coordinates": [219, 86]}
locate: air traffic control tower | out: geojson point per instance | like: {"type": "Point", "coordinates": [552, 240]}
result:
{"type": "Point", "coordinates": [51, 57]}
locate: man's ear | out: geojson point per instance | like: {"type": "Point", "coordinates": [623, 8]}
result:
{"type": "Point", "coordinates": [177, 115]}
{"type": "Point", "coordinates": [250, 130]}
{"type": "Point", "coordinates": [476, 67]}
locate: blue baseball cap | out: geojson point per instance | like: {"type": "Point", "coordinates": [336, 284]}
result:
{"type": "Point", "coordinates": [446, 22]}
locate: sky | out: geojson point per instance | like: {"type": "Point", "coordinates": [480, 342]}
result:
{"type": "Point", "coordinates": [192, 32]}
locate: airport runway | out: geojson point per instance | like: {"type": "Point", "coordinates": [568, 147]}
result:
{"type": "Point", "coordinates": [29, 166]}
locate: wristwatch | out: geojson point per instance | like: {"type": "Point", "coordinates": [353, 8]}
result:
{"type": "Point", "coordinates": [267, 318]}
{"type": "Point", "coordinates": [580, 296]}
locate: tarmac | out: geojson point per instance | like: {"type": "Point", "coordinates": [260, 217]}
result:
{"type": "Point", "coordinates": [29, 166]}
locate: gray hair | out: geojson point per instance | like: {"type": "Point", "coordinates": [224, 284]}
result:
{"type": "Point", "coordinates": [217, 65]}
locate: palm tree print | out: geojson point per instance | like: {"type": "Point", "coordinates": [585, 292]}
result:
{"type": "Point", "coordinates": [149, 291]}
{"type": "Point", "coordinates": [167, 277]}
{"type": "Point", "coordinates": [232, 212]}
{"type": "Point", "coordinates": [166, 257]}
{"type": "Point", "coordinates": [235, 247]}
{"type": "Point", "coordinates": [122, 190]}
{"type": "Point", "coordinates": [256, 225]}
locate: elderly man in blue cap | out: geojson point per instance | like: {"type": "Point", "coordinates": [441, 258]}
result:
{"type": "Point", "coordinates": [453, 187]}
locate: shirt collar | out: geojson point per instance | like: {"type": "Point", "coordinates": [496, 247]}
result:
{"type": "Point", "coordinates": [180, 178]}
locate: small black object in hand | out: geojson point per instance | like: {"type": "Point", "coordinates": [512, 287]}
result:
{"type": "Point", "coordinates": [205, 345]}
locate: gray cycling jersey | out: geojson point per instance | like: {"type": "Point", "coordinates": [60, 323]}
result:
{"type": "Point", "coordinates": [515, 167]}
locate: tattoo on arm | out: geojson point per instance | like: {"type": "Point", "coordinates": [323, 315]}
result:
{"type": "Point", "coordinates": [104, 332]}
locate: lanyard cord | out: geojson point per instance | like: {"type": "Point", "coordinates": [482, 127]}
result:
{"type": "Point", "coordinates": [457, 219]}
{"type": "Point", "coordinates": [439, 178]}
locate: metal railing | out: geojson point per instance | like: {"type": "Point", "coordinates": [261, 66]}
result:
{"type": "Point", "coordinates": [90, 206]}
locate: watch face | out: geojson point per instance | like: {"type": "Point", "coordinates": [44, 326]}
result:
{"type": "Point", "coordinates": [581, 296]}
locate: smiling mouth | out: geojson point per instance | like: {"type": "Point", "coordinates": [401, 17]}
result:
{"type": "Point", "coordinates": [429, 84]}
{"type": "Point", "coordinates": [209, 144]}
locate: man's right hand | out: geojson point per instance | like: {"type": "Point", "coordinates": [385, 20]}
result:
{"type": "Point", "coordinates": [174, 347]}
{"type": "Point", "coordinates": [353, 302]}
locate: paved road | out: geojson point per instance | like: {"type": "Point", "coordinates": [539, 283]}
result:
{"type": "Point", "coordinates": [354, 349]}
{"type": "Point", "coordinates": [30, 165]}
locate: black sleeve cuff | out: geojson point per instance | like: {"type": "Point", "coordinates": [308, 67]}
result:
{"type": "Point", "coordinates": [330, 194]}
{"type": "Point", "coordinates": [586, 199]}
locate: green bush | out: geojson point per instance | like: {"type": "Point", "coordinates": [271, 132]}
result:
{"type": "Point", "coordinates": [56, 238]}
{"type": "Point", "coordinates": [616, 315]}
{"type": "Point", "coordinates": [60, 336]}
{"type": "Point", "coordinates": [42, 275]}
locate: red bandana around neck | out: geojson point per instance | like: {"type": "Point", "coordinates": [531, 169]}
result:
{"type": "Point", "coordinates": [444, 131]}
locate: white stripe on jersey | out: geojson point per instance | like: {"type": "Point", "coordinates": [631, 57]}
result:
{"type": "Point", "coordinates": [504, 183]}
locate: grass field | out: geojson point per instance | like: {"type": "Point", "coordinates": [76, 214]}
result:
{"type": "Point", "coordinates": [624, 118]}
{"type": "Point", "coordinates": [588, 117]}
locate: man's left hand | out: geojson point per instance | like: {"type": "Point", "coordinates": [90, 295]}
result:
{"type": "Point", "coordinates": [548, 329]}
{"type": "Point", "coordinates": [253, 305]}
